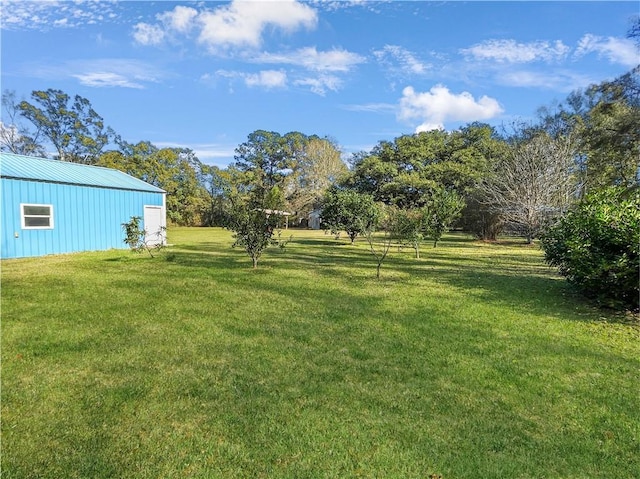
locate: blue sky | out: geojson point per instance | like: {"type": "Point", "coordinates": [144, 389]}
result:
{"type": "Point", "coordinates": [204, 75]}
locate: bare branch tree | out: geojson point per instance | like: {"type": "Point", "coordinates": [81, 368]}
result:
{"type": "Point", "coordinates": [535, 182]}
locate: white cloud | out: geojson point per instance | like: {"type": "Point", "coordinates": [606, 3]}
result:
{"type": "Point", "coordinates": [108, 72]}
{"type": "Point", "coordinates": [48, 14]}
{"type": "Point", "coordinates": [615, 50]}
{"type": "Point", "coordinates": [106, 79]}
{"type": "Point", "coordinates": [407, 62]}
{"type": "Point", "coordinates": [180, 19]}
{"type": "Point", "coordinates": [336, 60]}
{"type": "Point", "coordinates": [372, 107]}
{"type": "Point", "coordinates": [241, 23]}
{"type": "Point", "coordinates": [320, 84]}
{"type": "Point", "coordinates": [438, 105]}
{"type": "Point", "coordinates": [267, 79]}
{"type": "Point", "coordinates": [564, 80]}
{"type": "Point", "coordinates": [146, 34]}
{"type": "Point", "coordinates": [509, 51]}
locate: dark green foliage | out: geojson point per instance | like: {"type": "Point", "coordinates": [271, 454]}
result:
{"type": "Point", "coordinates": [133, 234]}
{"type": "Point", "coordinates": [596, 246]}
{"type": "Point", "coordinates": [175, 170]}
{"type": "Point", "coordinates": [252, 229]}
{"type": "Point", "coordinates": [480, 219]}
{"type": "Point", "coordinates": [265, 160]}
{"type": "Point", "coordinates": [405, 172]}
{"type": "Point", "coordinates": [444, 207]}
{"type": "Point", "coordinates": [350, 211]}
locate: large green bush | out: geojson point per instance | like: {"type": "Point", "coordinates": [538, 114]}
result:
{"type": "Point", "coordinates": [596, 246]}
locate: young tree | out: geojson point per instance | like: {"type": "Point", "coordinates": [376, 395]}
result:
{"type": "Point", "coordinates": [350, 211]}
{"type": "Point", "coordinates": [263, 163]}
{"type": "Point", "coordinates": [412, 226]}
{"type": "Point", "coordinates": [380, 235]}
{"type": "Point", "coordinates": [75, 130]}
{"type": "Point", "coordinates": [443, 209]}
{"type": "Point", "coordinates": [252, 228]}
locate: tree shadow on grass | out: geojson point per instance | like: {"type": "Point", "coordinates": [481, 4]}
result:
{"type": "Point", "coordinates": [484, 272]}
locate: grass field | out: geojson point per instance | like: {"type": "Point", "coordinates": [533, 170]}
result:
{"type": "Point", "coordinates": [476, 361]}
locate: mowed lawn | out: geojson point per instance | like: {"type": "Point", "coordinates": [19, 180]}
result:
{"type": "Point", "coordinates": [475, 361]}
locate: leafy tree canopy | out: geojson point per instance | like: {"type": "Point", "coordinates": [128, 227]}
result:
{"type": "Point", "coordinates": [175, 170]}
{"type": "Point", "coordinates": [72, 126]}
{"type": "Point", "coordinates": [349, 211]}
{"type": "Point", "coordinates": [408, 170]}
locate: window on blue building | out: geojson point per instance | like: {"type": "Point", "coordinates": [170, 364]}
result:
{"type": "Point", "coordinates": [36, 216]}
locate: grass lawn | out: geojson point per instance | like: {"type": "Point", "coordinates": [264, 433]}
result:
{"type": "Point", "coordinates": [476, 361]}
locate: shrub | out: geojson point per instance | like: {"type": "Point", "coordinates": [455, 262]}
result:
{"type": "Point", "coordinates": [596, 246]}
{"type": "Point", "coordinates": [136, 237]}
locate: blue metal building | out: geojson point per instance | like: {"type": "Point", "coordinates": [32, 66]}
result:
{"type": "Point", "coordinates": [51, 207]}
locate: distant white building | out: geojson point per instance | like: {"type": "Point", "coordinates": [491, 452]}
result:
{"type": "Point", "coordinates": [315, 219]}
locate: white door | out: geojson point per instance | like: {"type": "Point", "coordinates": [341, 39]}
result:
{"type": "Point", "coordinates": [154, 225]}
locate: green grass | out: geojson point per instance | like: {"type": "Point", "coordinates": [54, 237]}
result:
{"type": "Point", "coordinates": [476, 361]}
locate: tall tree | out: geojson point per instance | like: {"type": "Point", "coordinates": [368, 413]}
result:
{"type": "Point", "coordinates": [218, 184]}
{"type": "Point", "coordinates": [533, 183]}
{"type": "Point", "coordinates": [612, 132]}
{"type": "Point", "coordinates": [265, 159]}
{"type": "Point", "coordinates": [314, 171]}
{"type": "Point", "coordinates": [15, 136]}
{"type": "Point", "coordinates": [406, 171]}
{"type": "Point", "coordinates": [72, 126]}
{"type": "Point", "coordinates": [175, 170]}
{"type": "Point", "coordinates": [604, 120]}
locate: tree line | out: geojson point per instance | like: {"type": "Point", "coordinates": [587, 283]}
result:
{"type": "Point", "coordinates": [518, 177]}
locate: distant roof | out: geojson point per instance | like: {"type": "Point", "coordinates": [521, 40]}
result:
{"type": "Point", "coordinates": [55, 171]}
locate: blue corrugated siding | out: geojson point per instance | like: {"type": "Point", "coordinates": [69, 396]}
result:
{"type": "Point", "coordinates": [85, 218]}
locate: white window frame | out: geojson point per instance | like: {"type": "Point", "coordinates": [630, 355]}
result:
{"type": "Point", "coordinates": [23, 216]}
